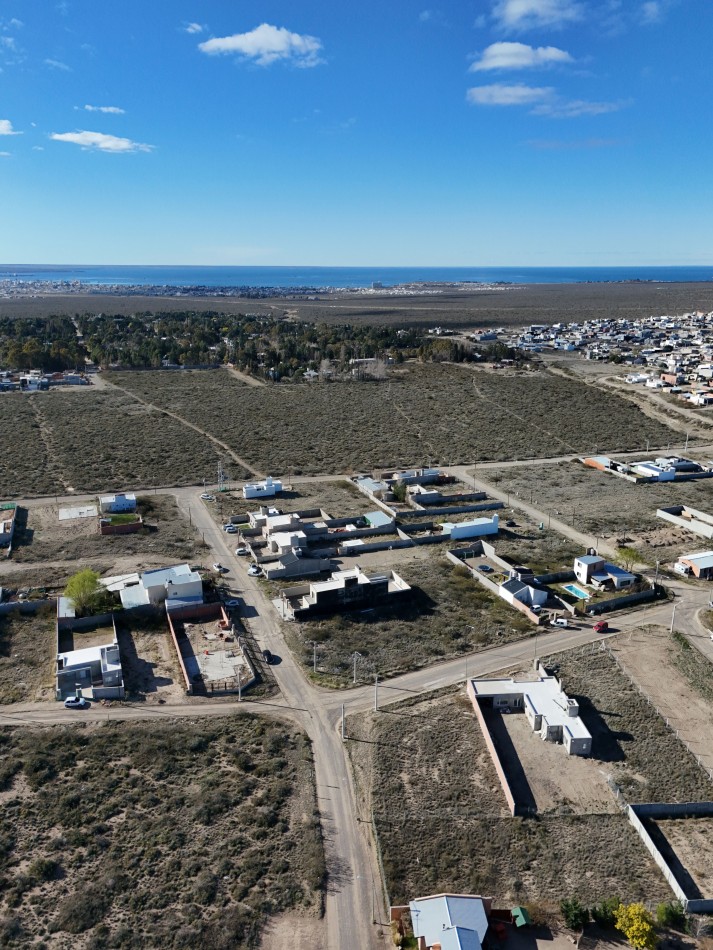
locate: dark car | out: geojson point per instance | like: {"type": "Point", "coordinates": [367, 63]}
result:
{"type": "Point", "coordinates": [485, 568]}
{"type": "Point", "coordinates": [267, 656]}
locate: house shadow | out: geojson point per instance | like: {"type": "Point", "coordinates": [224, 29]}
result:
{"type": "Point", "coordinates": [606, 742]}
{"type": "Point", "coordinates": [510, 760]}
{"type": "Point", "coordinates": [688, 885]}
{"type": "Point", "coordinates": [23, 535]}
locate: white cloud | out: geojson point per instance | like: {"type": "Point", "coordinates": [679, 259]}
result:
{"type": "Point", "coordinates": [100, 141]}
{"type": "Point", "coordinates": [574, 108]}
{"type": "Point", "coordinates": [8, 43]}
{"type": "Point", "coordinates": [651, 12]}
{"type": "Point", "coordinates": [193, 28]}
{"type": "Point", "coordinates": [5, 154]}
{"type": "Point", "coordinates": [38, 148]}
{"type": "Point", "coordinates": [110, 110]}
{"type": "Point", "coordinates": [499, 94]}
{"type": "Point", "coordinates": [519, 56]}
{"type": "Point", "coordinates": [266, 44]}
{"type": "Point", "coordinates": [57, 64]}
{"type": "Point", "coordinates": [6, 128]}
{"type": "Point", "coordinates": [530, 14]}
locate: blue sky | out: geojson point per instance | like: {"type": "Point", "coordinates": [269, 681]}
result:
{"type": "Point", "coordinates": [492, 132]}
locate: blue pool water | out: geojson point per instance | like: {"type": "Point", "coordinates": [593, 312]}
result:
{"type": "Point", "coordinates": [576, 591]}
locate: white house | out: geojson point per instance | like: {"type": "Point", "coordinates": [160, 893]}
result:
{"type": "Point", "coordinates": [595, 571]}
{"type": "Point", "coordinates": [265, 489]}
{"type": "Point", "coordinates": [552, 714]}
{"type": "Point", "coordinates": [476, 528]}
{"type": "Point", "coordinates": [177, 586]}
{"type": "Point", "coordinates": [528, 594]}
{"type": "Point", "coordinates": [115, 504]}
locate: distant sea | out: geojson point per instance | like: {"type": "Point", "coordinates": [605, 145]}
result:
{"type": "Point", "coordinates": [348, 277]}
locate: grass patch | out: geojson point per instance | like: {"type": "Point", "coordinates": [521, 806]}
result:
{"type": "Point", "coordinates": [695, 667]}
{"type": "Point", "coordinates": [164, 835]}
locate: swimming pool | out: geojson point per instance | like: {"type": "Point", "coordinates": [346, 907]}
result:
{"type": "Point", "coordinates": [576, 591]}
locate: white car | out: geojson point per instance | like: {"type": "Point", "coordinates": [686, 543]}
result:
{"type": "Point", "coordinates": [76, 702]}
{"type": "Point", "coordinates": [230, 529]}
{"type": "Point", "coordinates": [254, 570]}
{"type": "Point", "coordinates": [206, 496]}
{"type": "Point", "coordinates": [241, 552]}
{"type": "Point", "coordinates": [219, 569]}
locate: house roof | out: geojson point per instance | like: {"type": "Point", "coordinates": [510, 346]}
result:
{"type": "Point", "coordinates": [456, 921]}
{"type": "Point", "coordinates": [378, 519]}
{"type": "Point", "coordinates": [590, 559]}
{"type": "Point", "coordinates": [702, 559]}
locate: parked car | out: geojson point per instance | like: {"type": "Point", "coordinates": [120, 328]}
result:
{"type": "Point", "coordinates": [485, 568]}
{"type": "Point", "coordinates": [76, 702]}
{"type": "Point", "coordinates": [241, 552]}
{"type": "Point", "coordinates": [230, 529]}
{"type": "Point", "coordinates": [267, 656]}
{"type": "Point", "coordinates": [219, 569]}
{"type": "Point", "coordinates": [206, 496]}
{"type": "Point", "coordinates": [232, 603]}
{"type": "Point", "coordinates": [601, 627]}
{"type": "Point", "coordinates": [559, 622]}
{"type": "Point", "coordinates": [254, 570]}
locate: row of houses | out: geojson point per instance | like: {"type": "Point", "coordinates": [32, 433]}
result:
{"type": "Point", "coordinates": [36, 381]}
{"type": "Point", "coordinates": [680, 345]}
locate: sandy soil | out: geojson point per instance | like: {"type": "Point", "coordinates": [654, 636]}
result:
{"type": "Point", "coordinates": [291, 931]}
{"type": "Point", "coordinates": [150, 665]}
{"type": "Point", "coordinates": [646, 657]}
{"type": "Point", "coordinates": [692, 841]}
{"type": "Point", "coordinates": [558, 781]}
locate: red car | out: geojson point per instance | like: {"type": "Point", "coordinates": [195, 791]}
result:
{"type": "Point", "coordinates": [601, 627]}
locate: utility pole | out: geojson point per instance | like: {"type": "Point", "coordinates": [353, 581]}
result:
{"type": "Point", "coordinates": [314, 655]}
{"type": "Point", "coordinates": [355, 656]}
{"type": "Point", "coordinates": [673, 617]}
{"type": "Point", "coordinates": [376, 691]}
{"type": "Point", "coordinates": [685, 448]}
{"type": "Point", "coordinates": [344, 728]}
{"type": "Point", "coordinates": [656, 578]}
{"type": "Point", "coordinates": [469, 627]}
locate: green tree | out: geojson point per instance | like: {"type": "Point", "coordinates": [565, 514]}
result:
{"type": "Point", "coordinates": [637, 925]}
{"type": "Point", "coordinates": [85, 592]}
{"type": "Point", "coordinates": [671, 914]}
{"type": "Point", "coordinates": [575, 916]}
{"type": "Point", "coordinates": [603, 914]}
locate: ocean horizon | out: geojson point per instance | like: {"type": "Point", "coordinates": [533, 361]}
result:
{"type": "Point", "coordinates": [126, 275]}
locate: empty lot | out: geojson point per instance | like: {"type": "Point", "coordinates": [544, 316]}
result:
{"type": "Point", "coordinates": [423, 768]}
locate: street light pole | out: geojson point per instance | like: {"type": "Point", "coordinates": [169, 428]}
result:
{"type": "Point", "coordinates": [355, 656]}
{"type": "Point", "coordinates": [673, 617]}
{"type": "Point", "coordinates": [314, 655]}
{"type": "Point", "coordinates": [376, 691]}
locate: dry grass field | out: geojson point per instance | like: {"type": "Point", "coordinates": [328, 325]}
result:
{"type": "Point", "coordinates": [24, 462]}
{"type": "Point", "coordinates": [172, 835]}
{"type": "Point", "coordinates": [423, 770]}
{"type": "Point", "coordinates": [601, 504]}
{"type": "Point", "coordinates": [505, 306]}
{"type": "Point", "coordinates": [425, 412]}
{"type": "Point", "coordinates": [27, 651]}
{"type": "Point", "coordinates": [642, 755]}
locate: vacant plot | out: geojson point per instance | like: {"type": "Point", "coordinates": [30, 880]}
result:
{"type": "Point", "coordinates": [25, 468]}
{"type": "Point", "coordinates": [171, 835]}
{"type": "Point", "coordinates": [447, 614]}
{"type": "Point", "coordinates": [148, 660]}
{"type": "Point", "coordinates": [27, 652]}
{"type": "Point", "coordinates": [105, 441]}
{"type": "Point", "coordinates": [165, 535]}
{"type": "Point", "coordinates": [689, 841]}
{"type": "Point", "coordinates": [641, 753]}
{"type": "Point", "coordinates": [430, 412]}
{"type": "Point", "coordinates": [423, 769]}
{"type": "Point", "coordinates": [601, 504]}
